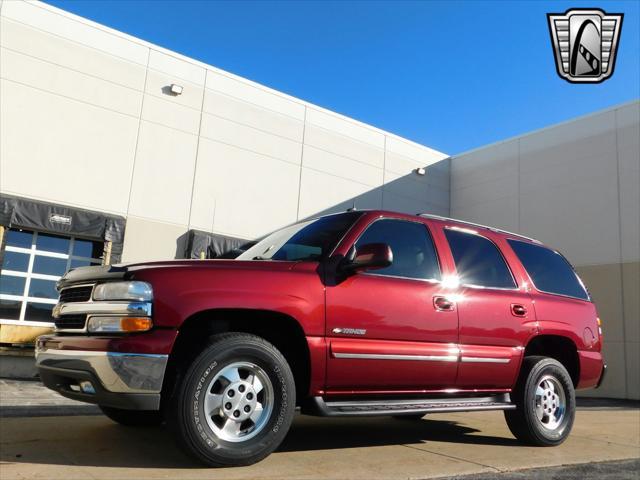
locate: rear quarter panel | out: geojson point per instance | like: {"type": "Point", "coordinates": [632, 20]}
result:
{"type": "Point", "coordinates": [576, 320]}
{"type": "Point", "coordinates": [573, 318]}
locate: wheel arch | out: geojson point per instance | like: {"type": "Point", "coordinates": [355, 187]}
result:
{"type": "Point", "coordinates": [561, 348]}
{"type": "Point", "coordinates": [280, 329]}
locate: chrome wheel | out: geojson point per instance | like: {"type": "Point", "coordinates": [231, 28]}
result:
{"type": "Point", "coordinates": [238, 402]}
{"type": "Point", "coordinates": [550, 403]}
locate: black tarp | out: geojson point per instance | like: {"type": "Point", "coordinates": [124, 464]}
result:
{"type": "Point", "coordinates": [20, 212]}
{"type": "Point", "coordinates": [214, 245]}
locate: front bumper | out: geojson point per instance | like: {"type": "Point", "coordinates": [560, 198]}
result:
{"type": "Point", "coordinates": [120, 380]}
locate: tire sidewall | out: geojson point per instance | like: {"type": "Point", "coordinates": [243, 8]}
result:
{"type": "Point", "coordinates": [205, 368]}
{"type": "Point", "coordinates": [552, 368]}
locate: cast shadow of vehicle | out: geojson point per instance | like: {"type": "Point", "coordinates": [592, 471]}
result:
{"type": "Point", "coordinates": [96, 441]}
{"type": "Point", "coordinates": [311, 433]}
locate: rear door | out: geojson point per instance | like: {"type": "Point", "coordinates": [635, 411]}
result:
{"type": "Point", "coordinates": [495, 310]}
{"type": "Point", "coordinates": [385, 334]}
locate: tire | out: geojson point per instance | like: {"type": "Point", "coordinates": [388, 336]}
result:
{"type": "Point", "coordinates": [133, 418]}
{"type": "Point", "coordinates": [414, 417]}
{"type": "Point", "coordinates": [546, 383]}
{"type": "Point", "coordinates": [247, 419]}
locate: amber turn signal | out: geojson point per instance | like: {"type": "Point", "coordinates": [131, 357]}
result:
{"type": "Point", "coordinates": [135, 324]}
{"type": "Point", "coordinates": [119, 324]}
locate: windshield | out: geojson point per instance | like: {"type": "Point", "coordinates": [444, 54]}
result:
{"type": "Point", "coordinates": [309, 240]}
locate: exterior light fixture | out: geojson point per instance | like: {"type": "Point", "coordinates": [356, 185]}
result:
{"type": "Point", "coordinates": [421, 171]}
{"type": "Point", "coordinates": [176, 89]}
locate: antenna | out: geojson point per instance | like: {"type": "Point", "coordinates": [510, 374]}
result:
{"type": "Point", "coordinates": [353, 207]}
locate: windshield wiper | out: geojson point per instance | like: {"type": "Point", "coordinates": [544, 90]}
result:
{"type": "Point", "coordinates": [259, 257]}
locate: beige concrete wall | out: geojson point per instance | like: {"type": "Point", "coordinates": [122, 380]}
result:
{"type": "Point", "coordinates": [86, 120]}
{"type": "Point", "coordinates": [575, 186]}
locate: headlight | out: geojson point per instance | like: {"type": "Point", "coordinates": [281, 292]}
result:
{"type": "Point", "coordinates": [140, 291]}
{"type": "Point", "coordinates": [119, 324]}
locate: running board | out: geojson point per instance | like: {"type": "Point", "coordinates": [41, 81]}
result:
{"type": "Point", "coordinates": [318, 406]}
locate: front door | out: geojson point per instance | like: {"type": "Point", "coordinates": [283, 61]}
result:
{"type": "Point", "coordinates": [390, 330]}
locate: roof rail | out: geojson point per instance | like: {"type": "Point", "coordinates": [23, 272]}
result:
{"type": "Point", "coordinates": [493, 229]}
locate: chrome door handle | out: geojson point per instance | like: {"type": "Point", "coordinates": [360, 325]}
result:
{"type": "Point", "coordinates": [443, 304]}
{"type": "Point", "coordinates": [518, 310]}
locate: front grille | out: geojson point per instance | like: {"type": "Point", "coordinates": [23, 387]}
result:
{"type": "Point", "coordinates": [76, 294]}
{"type": "Point", "coordinates": [71, 321]}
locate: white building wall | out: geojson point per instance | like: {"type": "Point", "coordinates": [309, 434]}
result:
{"type": "Point", "coordinates": [86, 120]}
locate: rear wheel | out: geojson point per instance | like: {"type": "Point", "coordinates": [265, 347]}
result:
{"type": "Point", "coordinates": [545, 403]}
{"type": "Point", "coordinates": [235, 402]}
{"type": "Point", "coordinates": [133, 418]}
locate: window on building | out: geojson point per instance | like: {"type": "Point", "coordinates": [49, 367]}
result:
{"type": "Point", "coordinates": [478, 260]}
{"type": "Point", "coordinates": [31, 265]}
{"type": "Point", "coordinates": [550, 272]}
{"type": "Point", "coordinates": [414, 255]}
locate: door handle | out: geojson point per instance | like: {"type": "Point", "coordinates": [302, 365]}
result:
{"type": "Point", "coordinates": [518, 310]}
{"type": "Point", "coordinates": [443, 304]}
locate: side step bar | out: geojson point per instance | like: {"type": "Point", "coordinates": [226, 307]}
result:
{"type": "Point", "coordinates": [318, 406]}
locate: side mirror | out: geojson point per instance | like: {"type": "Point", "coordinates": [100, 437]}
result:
{"type": "Point", "coordinates": [369, 257]}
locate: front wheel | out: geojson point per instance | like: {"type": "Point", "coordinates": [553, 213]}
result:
{"type": "Point", "coordinates": [235, 402]}
{"type": "Point", "coordinates": [545, 403]}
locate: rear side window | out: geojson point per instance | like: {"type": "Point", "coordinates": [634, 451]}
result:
{"type": "Point", "coordinates": [414, 255]}
{"type": "Point", "coordinates": [549, 271]}
{"type": "Point", "coordinates": [478, 261]}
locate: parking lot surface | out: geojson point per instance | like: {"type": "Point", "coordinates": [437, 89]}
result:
{"type": "Point", "coordinates": [615, 470]}
{"type": "Point", "coordinates": [91, 446]}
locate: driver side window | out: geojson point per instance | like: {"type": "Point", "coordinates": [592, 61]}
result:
{"type": "Point", "coordinates": [414, 254]}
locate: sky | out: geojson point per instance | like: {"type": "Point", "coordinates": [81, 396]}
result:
{"type": "Point", "coordinates": [452, 75]}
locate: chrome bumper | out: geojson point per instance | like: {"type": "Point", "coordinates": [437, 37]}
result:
{"type": "Point", "coordinates": [116, 372]}
{"type": "Point", "coordinates": [103, 307]}
{"type": "Point", "coordinates": [92, 308]}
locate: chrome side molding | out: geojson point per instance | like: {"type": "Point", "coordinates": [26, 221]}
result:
{"type": "Point", "coordinates": [380, 356]}
{"type": "Point", "coordinates": [452, 357]}
{"type": "Point", "coordinates": [484, 360]}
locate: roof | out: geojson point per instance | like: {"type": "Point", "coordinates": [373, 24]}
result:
{"type": "Point", "coordinates": [478, 225]}
{"type": "Point", "coordinates": [437, 218]}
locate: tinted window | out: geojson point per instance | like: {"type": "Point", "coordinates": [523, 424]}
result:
{"type": "Point", "coordinates": [19, 238]}
{"type": "Point", "coordinates": [10, 309]}
{"type": "Point", "coordinates": [43, 288]}
{"type": "Point", "coordinates": [75, 263]}
{"type": "Point", "coordinates": [12, 285]}
{"type": "Point", "coordinates": [39, 312]}
{"type": "Point", "coordinates": [87, 248]}
{"type": "Point", "coordinates": [549, 271]}
{"type": "Point", "coordinates": [414, 255]}
{"type": "Point", "coordinates": [49, 265]}
{"type": "Point", "coordinates": [478, 260]}
{"type": "Point", "coordinates": [310, 240]}
{"type": "Point", "coordinates": [15, 261]}
{"type": "Point", "coordinates": [52, 243]}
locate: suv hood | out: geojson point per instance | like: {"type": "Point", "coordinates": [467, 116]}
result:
{"type": "Point", "coordinates": [126, 271]}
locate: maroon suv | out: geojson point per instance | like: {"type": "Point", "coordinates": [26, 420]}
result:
{"type": "Point", "coordinates": [353, 314]}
